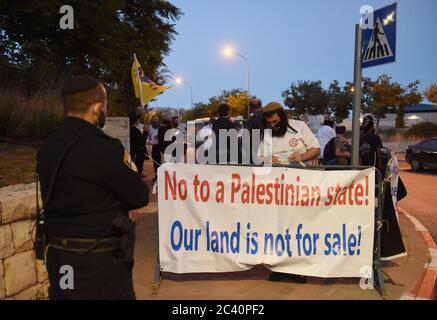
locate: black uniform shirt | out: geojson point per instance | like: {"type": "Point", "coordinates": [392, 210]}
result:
{"type": "Point", "coordinates": [95, 181]}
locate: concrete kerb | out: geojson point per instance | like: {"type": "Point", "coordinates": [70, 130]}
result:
{"type": "Point", "coordinates": [426, 288]}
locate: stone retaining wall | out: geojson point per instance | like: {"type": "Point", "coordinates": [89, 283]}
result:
{"type": "Point", "coordinates": [118, 127]}
{"type": "Point", "coordinates": [22, 277]}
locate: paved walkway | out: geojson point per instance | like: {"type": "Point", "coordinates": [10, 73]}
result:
{"type": "Point", "coordinates": [406, 273]}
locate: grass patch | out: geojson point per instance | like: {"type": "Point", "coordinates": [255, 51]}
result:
{"type": "Point", "coordinates": [17, 164]}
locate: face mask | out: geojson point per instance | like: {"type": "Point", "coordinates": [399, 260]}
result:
{"type": "Point", "coordinates": [101, 120]}
{"type": "Point", "coordinates": [280, 129]}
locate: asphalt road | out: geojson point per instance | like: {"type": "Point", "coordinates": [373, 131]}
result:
{"type": "Point", "coordinates": [421, 201]}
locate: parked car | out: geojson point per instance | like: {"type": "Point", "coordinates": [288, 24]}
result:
{"type": "Point", "coordinates": [422, 155]}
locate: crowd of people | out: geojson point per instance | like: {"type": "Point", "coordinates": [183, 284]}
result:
{"type": "Point", "coordinates": [291, 141]}
{"type": "Point", "coordinates": [152, 136]}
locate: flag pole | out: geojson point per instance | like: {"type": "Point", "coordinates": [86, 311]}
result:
{"type": "Point", "coordinates": [138, 81]}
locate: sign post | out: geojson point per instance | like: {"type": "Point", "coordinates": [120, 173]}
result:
{"type": "Point", "coordinates": [373, 46]}
{"type": "Point", "coordinates": [356, 104]}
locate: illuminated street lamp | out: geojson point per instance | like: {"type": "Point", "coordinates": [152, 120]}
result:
{"type": "Point", "coordinates": [228, 52]}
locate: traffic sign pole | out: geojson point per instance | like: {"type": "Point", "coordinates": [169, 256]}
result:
{"type": "Point", "coordinates": [356, 98]}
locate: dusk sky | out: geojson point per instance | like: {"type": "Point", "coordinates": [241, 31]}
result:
{"type": "Point", "coordinates": [286, 41]}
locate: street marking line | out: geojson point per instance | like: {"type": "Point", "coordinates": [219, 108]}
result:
{"type": "Point", "coordinates": [427, 287]}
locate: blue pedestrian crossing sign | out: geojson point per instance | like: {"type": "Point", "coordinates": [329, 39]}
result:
{"type": "Point", "coordinates": [379, 43]}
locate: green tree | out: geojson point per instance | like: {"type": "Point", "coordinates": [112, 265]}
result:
{"type": "Point", "coordinates": [306, 97]}
{"type": "Point", "coordinates": [200, 110]}
{"type": "Point", "coordinates": [340, 100]}
{"type": "Point", "coordinates": [384, 95]}
{"type": "Point", "coordinates": [236, 98]}
{"type": "Point", "coordinates": [409, 95]}
{"type": "Point", "coordinates": [105, 35]}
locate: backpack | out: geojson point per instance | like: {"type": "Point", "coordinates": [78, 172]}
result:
{"type": "Point", "coordinates": [329, 151]}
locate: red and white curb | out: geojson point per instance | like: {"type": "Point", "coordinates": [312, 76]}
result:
{"type": "Point", "coordinates": [426, 288]}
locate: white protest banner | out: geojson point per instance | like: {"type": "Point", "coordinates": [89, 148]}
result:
{"type": "Point", "coordinates": [394, 181]}
{"type": "Point", "coordinates": [229, 218]}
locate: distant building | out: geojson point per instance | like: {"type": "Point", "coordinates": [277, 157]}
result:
{"type": "Point", "coordinates": [421, 112]}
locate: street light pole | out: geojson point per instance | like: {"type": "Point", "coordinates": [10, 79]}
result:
{"type": "Point", "coordinates": [248, 80]}
{"type": "Point", "coordinates": [191, 92]}
{"type": "Point", "coordinates": [229, 51]}
{"type": "Point", "coordinates": [183, 81]}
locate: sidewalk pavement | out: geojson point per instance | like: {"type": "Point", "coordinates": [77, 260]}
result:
{"type": "Point", "coordinates": [409, 273]}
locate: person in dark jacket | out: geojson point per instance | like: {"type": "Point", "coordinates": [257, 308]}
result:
{"type": "Point", "coordinates": [137, 142]}
{"type": "Point", "coordinates": [255, 126]}
{"type": "Point", "coordinates": [224, 124]}
{"type": "Point", "coordinates": [370, 145]}
{"type": "Point", "coordinates": [89, 188]}
{"type": "Point", "coordinates": [166, 124]}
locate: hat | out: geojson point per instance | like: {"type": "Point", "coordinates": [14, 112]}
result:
{"type": "Point", "coordinates": [367, 123]}
{"type": "Point", "coordinates": [272, 106]}
{"type": "Point", "coordinates": [329, 118]}
{"type": "Point", "coordinates": [78, 84]}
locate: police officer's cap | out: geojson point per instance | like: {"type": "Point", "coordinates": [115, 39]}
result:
{"type": "Point", "coordinates": [272, 106]}
{"type": "Point", "coordinates": [78, 84]}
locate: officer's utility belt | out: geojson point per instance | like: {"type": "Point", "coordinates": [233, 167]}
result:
{"type": "Point", "coordinates": [84, 246]}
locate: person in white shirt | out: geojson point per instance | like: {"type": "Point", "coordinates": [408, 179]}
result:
{"type": "Point", "coordinates": [325, 133]}
{"type": "Point", "coordinates": [292, 140]}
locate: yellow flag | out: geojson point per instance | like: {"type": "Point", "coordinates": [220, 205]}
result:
{"type": "Point", "coordinates": [145, 89]}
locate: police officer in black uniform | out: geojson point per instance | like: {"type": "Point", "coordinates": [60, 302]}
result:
{"type": "Point", "coordinates": [90, 189]}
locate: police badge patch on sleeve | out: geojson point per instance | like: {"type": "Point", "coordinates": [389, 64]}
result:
{"type": "Point", "coordinates": [128, 161]}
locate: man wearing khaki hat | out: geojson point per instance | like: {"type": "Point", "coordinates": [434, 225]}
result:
{"type": "Point", "coordinates": [292, 140]}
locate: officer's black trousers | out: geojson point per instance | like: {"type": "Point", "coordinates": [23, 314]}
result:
{"type": "Point", "coordinates": [101, 276]}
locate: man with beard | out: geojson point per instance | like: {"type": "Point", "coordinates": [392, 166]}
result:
{"type": "Point", "coordinates": [90, 189]}
{"type": "Point", "coordinates": [292, 140]}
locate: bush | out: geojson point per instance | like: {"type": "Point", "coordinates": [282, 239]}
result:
{"type": "Point", "coordinates": [36, 116]}
{"type": "Point", "coordinates": [423, 130]}
{"type": "Point", "coordinates": [29, 117]}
